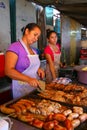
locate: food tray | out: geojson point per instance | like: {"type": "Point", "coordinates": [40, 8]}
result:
{"type": "Point", "coordinates": [67, 104]}
{"type": "Point", "coordinates": [34, 95]}
{"type": "Point", "coordinates": [72, 94]}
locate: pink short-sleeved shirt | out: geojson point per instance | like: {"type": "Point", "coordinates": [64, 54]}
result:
{"type": "Point", "coordinates": [49, 51]}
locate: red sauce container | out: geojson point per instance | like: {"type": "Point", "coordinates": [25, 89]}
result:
{"type": "Point", "coordinates": [2, 64]}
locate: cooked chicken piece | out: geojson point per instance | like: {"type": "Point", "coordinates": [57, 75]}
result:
{"type": "Point", "coordinates": [83, 94]}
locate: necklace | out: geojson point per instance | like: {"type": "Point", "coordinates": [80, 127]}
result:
{"type": "Point", "coordinates": [54, 47]}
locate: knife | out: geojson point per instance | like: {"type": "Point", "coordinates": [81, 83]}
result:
{"type": "Point", "coordinates": [41, 86]}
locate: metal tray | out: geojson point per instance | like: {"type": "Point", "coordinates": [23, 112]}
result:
{"type": "Point", "coordinates": [34, 95]}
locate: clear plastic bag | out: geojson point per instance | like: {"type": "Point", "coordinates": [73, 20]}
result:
{"type": "Point", "coordinates": [62, 80]}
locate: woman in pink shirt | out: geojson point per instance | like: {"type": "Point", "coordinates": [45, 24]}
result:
{"type": "Point", "coordinates": [52, 54]}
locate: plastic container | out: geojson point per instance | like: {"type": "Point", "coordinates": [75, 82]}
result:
{"type": "Point", "coordinates": [5, 123]}
{"type": "Point", "coordinates": [81, 73]}
{"type": "Point", "coordinates": [82, 77]}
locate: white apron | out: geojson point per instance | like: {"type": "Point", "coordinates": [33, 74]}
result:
{"type": "Point", "coordinates": [49, 77]}
{"type": "Point", "coordinates": [22, 88]}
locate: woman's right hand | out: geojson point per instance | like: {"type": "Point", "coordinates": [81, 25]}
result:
{"type": "Point", "coordinates": [33, 82]}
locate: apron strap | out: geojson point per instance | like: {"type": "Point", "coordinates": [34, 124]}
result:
{"type": "Point", "coordinates": [24, 46]}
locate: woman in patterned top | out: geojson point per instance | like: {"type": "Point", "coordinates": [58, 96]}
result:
{"type": "Point", "coordinates": [52, 53]}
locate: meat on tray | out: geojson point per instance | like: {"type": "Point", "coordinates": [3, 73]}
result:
{"type": "Point", "coordinates": [69, 87]}
{"type": "Point", "coordinates": [71, 93]}
{"type": "Point", "coordinates": [48, 114]}
{"type": "Point", "coordinates": [54, 117]}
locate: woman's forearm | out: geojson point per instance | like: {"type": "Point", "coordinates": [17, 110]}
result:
{"type": "Point", "coordinates": [52, 69]}
{"type": "Point", "coordinates": [14, 74]}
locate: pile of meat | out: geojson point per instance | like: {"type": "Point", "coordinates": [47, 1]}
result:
{"type": "Point", "coordinates": [51, 116]}
{"type": "Point", "coordinates": [71, 94]}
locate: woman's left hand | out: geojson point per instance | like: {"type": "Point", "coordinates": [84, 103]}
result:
{"type": "Point", "coordinates": [41, 73]}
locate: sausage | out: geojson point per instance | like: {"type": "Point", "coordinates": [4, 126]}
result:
{"type": "Point", "coordinates": [28, 101]}
{"type": "Point", "coordinates": [17, 109]}
{"type": "Point", "coordinates": [55, 122]}
{"type": "Point", "coordinates": [59, 117]}
{"type": "Point", "coordinates": [67, 112]}
{"type": "Point", "coordinates": [70, 118]}
{"type": "Point", "coordinates": [68, 124]}
{"type": "Point", "coordinates": [83, 117]}
{"type": "Point", "coordinates": [73, 115]}
{"type": "Point", "coordinates": [37, 123]}
{"type": "Point", "coordinates": [6, 110]}
{"type": "Point", "coordinates": [75, 123]}
{"type": "Point", "coordinates": [58, 127]}
{"type": "Point", "coordinates": [78, 110]}
{"type": "Point", "coordinates": [49, 117]}
{"type": "Point", "coordinates": [26, 104]}
{"type": "Point", "coordinates": [26, 118]}
{"type": "Point", "coordinates": [48, 125]}
{"type": "Point", "coordinates": [22, 107]}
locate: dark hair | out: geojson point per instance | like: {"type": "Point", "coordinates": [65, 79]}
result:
{"type": "Point", "coordinates": [29, 26]}
{"type": "Point", "coordinates": [49, 32]}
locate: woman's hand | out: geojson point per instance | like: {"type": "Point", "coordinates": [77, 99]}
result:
{"type": "Point", "coordinates": [33, 82]}
{"type": "Point", "coordinates": [63, 65]}
{"type": "Point", "coordinates": [41, 73]}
